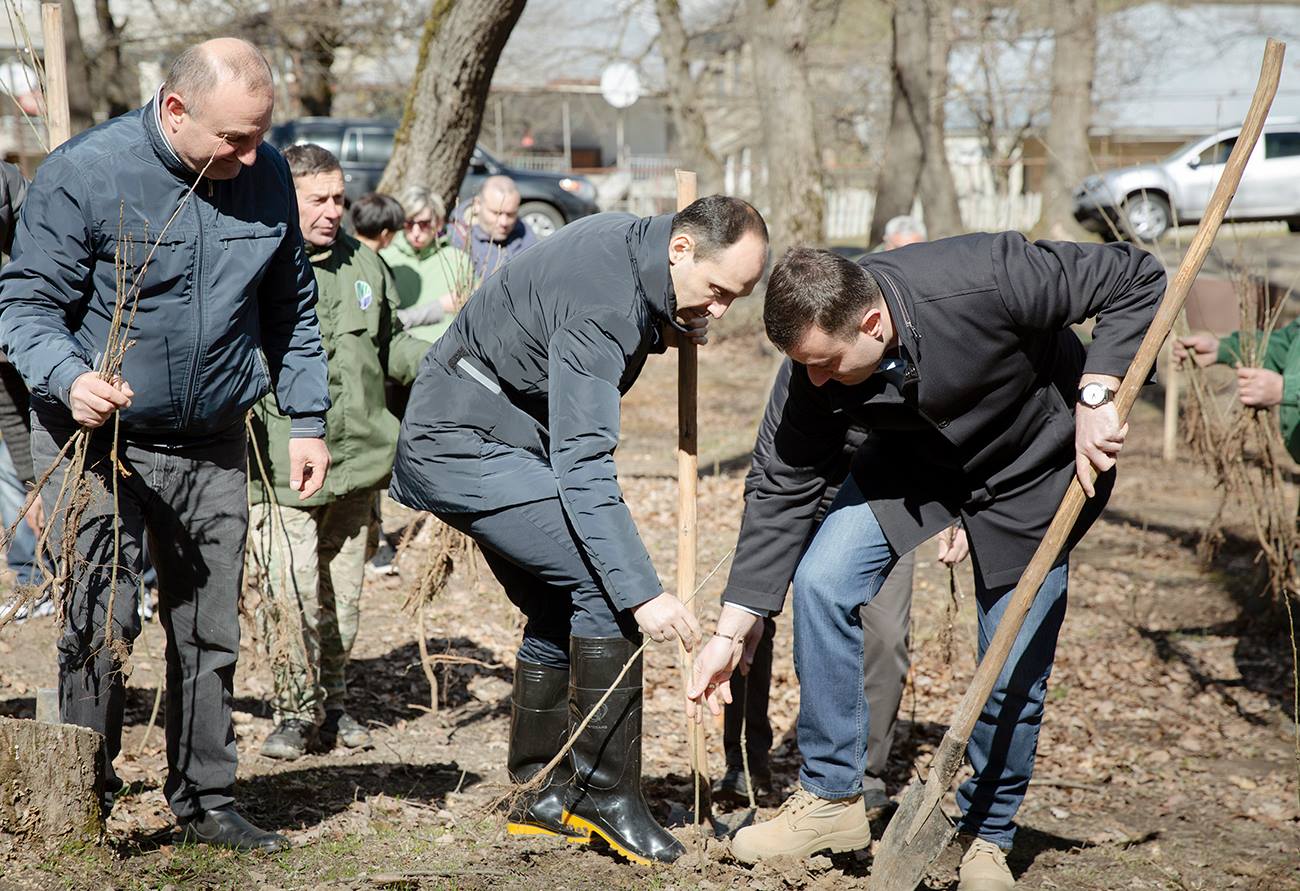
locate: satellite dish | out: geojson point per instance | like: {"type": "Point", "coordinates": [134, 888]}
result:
{"type": "Point", "coordinates": [620, 84]}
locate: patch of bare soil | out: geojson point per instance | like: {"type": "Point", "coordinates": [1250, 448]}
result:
{"type": "Point", "coordinates": [1167, 758]}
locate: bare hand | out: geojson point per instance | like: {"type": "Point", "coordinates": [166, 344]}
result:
{"type": "Point", "coordinates": [93, 399]}
{"type": "Point", "coordinates": [1259, 387]}
{"type": "Point", "coordinates": [1203, 349]}
{"type": "Point", "coordinates": [711, 680]}
{"type": "Point", "coordinates": [697, 331]}
{"type": "Point", "coordinates": [1098, 437]}
{"type": "Point", "coordinates": [665, 617]}
{"type": "Point", "coordinates": [35, 515]}
{"type": "Point", "coordinates": [953, 546]}
{"type": "Point", "coordinates": [738, 636]}
{"type": "Point", "coordinates": [309, 461]}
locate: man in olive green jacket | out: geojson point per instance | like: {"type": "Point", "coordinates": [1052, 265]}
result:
{"type": "Point", "coordinates": [311, 552]}
{"type": "Point", "coordinates": [1277, 382]}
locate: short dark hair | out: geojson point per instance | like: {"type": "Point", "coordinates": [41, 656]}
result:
{"type": "Point", "coordinates": [716, 222]}
{"type": "Point", "coordinates": [309, 159]}
{"type": "Point", "coordinates": [375, 213]}
{"type": "Point", "coordinates": [812, 287]}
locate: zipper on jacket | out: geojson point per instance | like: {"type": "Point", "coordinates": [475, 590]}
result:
{"type": "Point", "coordinates": [913, 374]}
{"type": "Point", "coordinates": [191, 391]}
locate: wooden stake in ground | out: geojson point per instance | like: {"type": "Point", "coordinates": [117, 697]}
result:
{"type": "Point", "coordinates": [688, 464]}
{"type": "Point", "coordinates": [57, 120]}
{"type": "Point", "coordinates": [919, 830]}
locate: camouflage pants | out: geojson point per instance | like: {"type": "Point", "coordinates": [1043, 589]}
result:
{"type": "Point", "coordinates": [312, 562]}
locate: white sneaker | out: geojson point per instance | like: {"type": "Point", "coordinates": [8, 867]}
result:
{"type": "Point", "coordinates": [984, 868]}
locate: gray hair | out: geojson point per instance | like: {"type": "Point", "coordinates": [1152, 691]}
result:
{"type": "Point", "coordinates": [310, 159]}
{"type": "Point", "coordinates": [201, 68]}
{"type": "Point", "coordinates": [905, 224]}
{"type": "Point", "coordinates": [416, 199]}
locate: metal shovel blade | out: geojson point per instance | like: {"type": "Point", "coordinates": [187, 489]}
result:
{"type": "Point", "coordinates": [919, 830]}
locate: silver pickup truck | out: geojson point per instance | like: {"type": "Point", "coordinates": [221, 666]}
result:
{"type": "Point", "coordinates": [1146, 200]}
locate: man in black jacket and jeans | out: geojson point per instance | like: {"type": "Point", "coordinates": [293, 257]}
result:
{"type": "Point", "coordinates": [509, 436]}
{"type": "Point", "coordinates": [981, 406]}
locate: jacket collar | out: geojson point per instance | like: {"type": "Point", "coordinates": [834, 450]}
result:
{"type": "Point", "coordinates": [403, 246]}
{"type": "Point", "coordinates": [647, 242]}
{"type": "Point", "coordinates": [161, 147]}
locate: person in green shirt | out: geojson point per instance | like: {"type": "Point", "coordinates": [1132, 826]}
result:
{"type": "Point", "coordinates": [1276, 383]}
{"type": "Point", "coordinates": [431, 274]}
{"type": "Point", "coordinates": [311, 552]}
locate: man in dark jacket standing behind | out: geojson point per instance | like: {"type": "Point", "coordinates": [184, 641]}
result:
{"type": "Point", "coordinates": [226, 311]}
{"type": "Point", "coordinates": [981, 404]}
{"type": "Point", "coordinates": [510, 435]}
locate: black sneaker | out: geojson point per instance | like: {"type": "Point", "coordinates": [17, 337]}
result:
{"type": "Point", "coordinates": [343, 729]}
{"type": "Point", "coordinates": [383, 563]}
{"type": "Point", "coordinates": [290, 740]}
{"type": "Point", "coordinates": [731, 788]}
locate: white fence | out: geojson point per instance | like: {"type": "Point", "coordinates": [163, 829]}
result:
{"type": "Point", "coordinates": [848, 212]}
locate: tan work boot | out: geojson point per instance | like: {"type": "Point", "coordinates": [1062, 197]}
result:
{"type": "Point", "coordinates": [805, 824]}
{"type": "Point", "coordinates": [984, 868]}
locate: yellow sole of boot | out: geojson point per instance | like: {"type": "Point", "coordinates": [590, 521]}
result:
{"type": "Point", "coordinates": [593, 830]}
{"type": "Point", "coordinates": [529, 829]}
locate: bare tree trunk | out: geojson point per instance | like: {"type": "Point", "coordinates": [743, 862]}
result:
{"type": "Point", "coordinates": [1073, 65]}
{"type": "Point", "coordinates": [915, 159]}
{"type": "Point", "coordinates": [459, 49]}
{"type": "Point", "coordinates": [120, 83]}
{"type": "Point", "coordinates": [795, 201]}
{"type": "Point", "coordinates": [938, 192]}
{"type": "Point", "coordinates": [318, 40]}
{"type": "Point", "coordinates": [81, 96]}
{"type": "Point", "coordinates": [51, 782]}
{"type": "Point", "coordinates": [685, 100]}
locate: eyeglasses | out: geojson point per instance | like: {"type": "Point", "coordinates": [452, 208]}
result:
{"type": "Point", "coordinates": [419, 224]}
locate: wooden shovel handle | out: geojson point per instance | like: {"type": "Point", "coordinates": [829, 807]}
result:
{"type": "Point", "coordinates": [1058, 532]}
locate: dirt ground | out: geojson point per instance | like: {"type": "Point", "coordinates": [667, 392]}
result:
{"type": "Point", "coordinates": [1167, 759]}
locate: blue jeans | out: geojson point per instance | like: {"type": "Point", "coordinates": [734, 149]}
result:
{"type": "Point", "coordinates": [843, 569]}
{"type": "Point", "coordinates": [22, 548]}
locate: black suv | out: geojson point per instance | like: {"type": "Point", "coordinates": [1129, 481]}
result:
{"type": "Point", "coordinates": [364, 146]}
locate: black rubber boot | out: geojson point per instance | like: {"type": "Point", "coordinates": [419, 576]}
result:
{"type": "Point", "coordinates": [605, 797]}
{"type": "Point", "coordinates": [748, 711]}
{"type": "Point", "coordinates": [539, 727]}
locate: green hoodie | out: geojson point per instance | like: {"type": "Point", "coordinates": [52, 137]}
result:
{"type": "Point", "coordinates": [425, 277]}
{"type": "Point", "coordinates": [363, 342]}
{"type": "Point", "coordinates": [1282, 356]}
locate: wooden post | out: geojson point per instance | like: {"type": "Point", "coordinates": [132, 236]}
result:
{"type": "Point", "coordinates": [57, 120]}
{"type": "Point", "coordinates": [1172, 375]}
{"type": "Point", "coordinates": [688, 463]}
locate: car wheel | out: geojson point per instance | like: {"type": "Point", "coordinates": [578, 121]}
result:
{"type": "Point", "coordinates": [1147, 216]}
{"type": "Point", "coordinates": [541, 217]}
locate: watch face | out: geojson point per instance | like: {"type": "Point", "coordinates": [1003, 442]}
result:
{"type": "Point", "coordinates": [1093, 395]}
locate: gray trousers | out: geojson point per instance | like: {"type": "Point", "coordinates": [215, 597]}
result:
{"type": "Point", "coordinates": [535, 555]}
{"type": "Point", "coordinates": [886, 623]}
{"type": "Point", "coordinates": [193, 500]}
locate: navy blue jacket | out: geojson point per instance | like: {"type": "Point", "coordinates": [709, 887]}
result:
{"type": "Point", "coordinates": [519, 400]}
{"type": "Point", "coordinates": [227, 301]}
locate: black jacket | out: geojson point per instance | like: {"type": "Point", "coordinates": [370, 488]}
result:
{"type": "Point", "coordinates": [519, 400]}
{"type": "Point", "coordinates": [982, 426]}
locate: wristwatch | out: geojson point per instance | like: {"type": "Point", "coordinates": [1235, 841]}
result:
{"type": "Point", "coordinates": [1095, 395]}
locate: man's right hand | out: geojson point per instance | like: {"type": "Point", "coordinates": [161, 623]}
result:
{"type": "Point", "coordinates": [665, 617]}
{"type": "Point", "coordinates": [93, 399]}
{"type": "Point", "coordinates": [1203, 349]}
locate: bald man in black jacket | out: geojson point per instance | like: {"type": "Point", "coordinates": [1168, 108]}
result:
{"type": "Point", "coordinates": [509, 436]}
